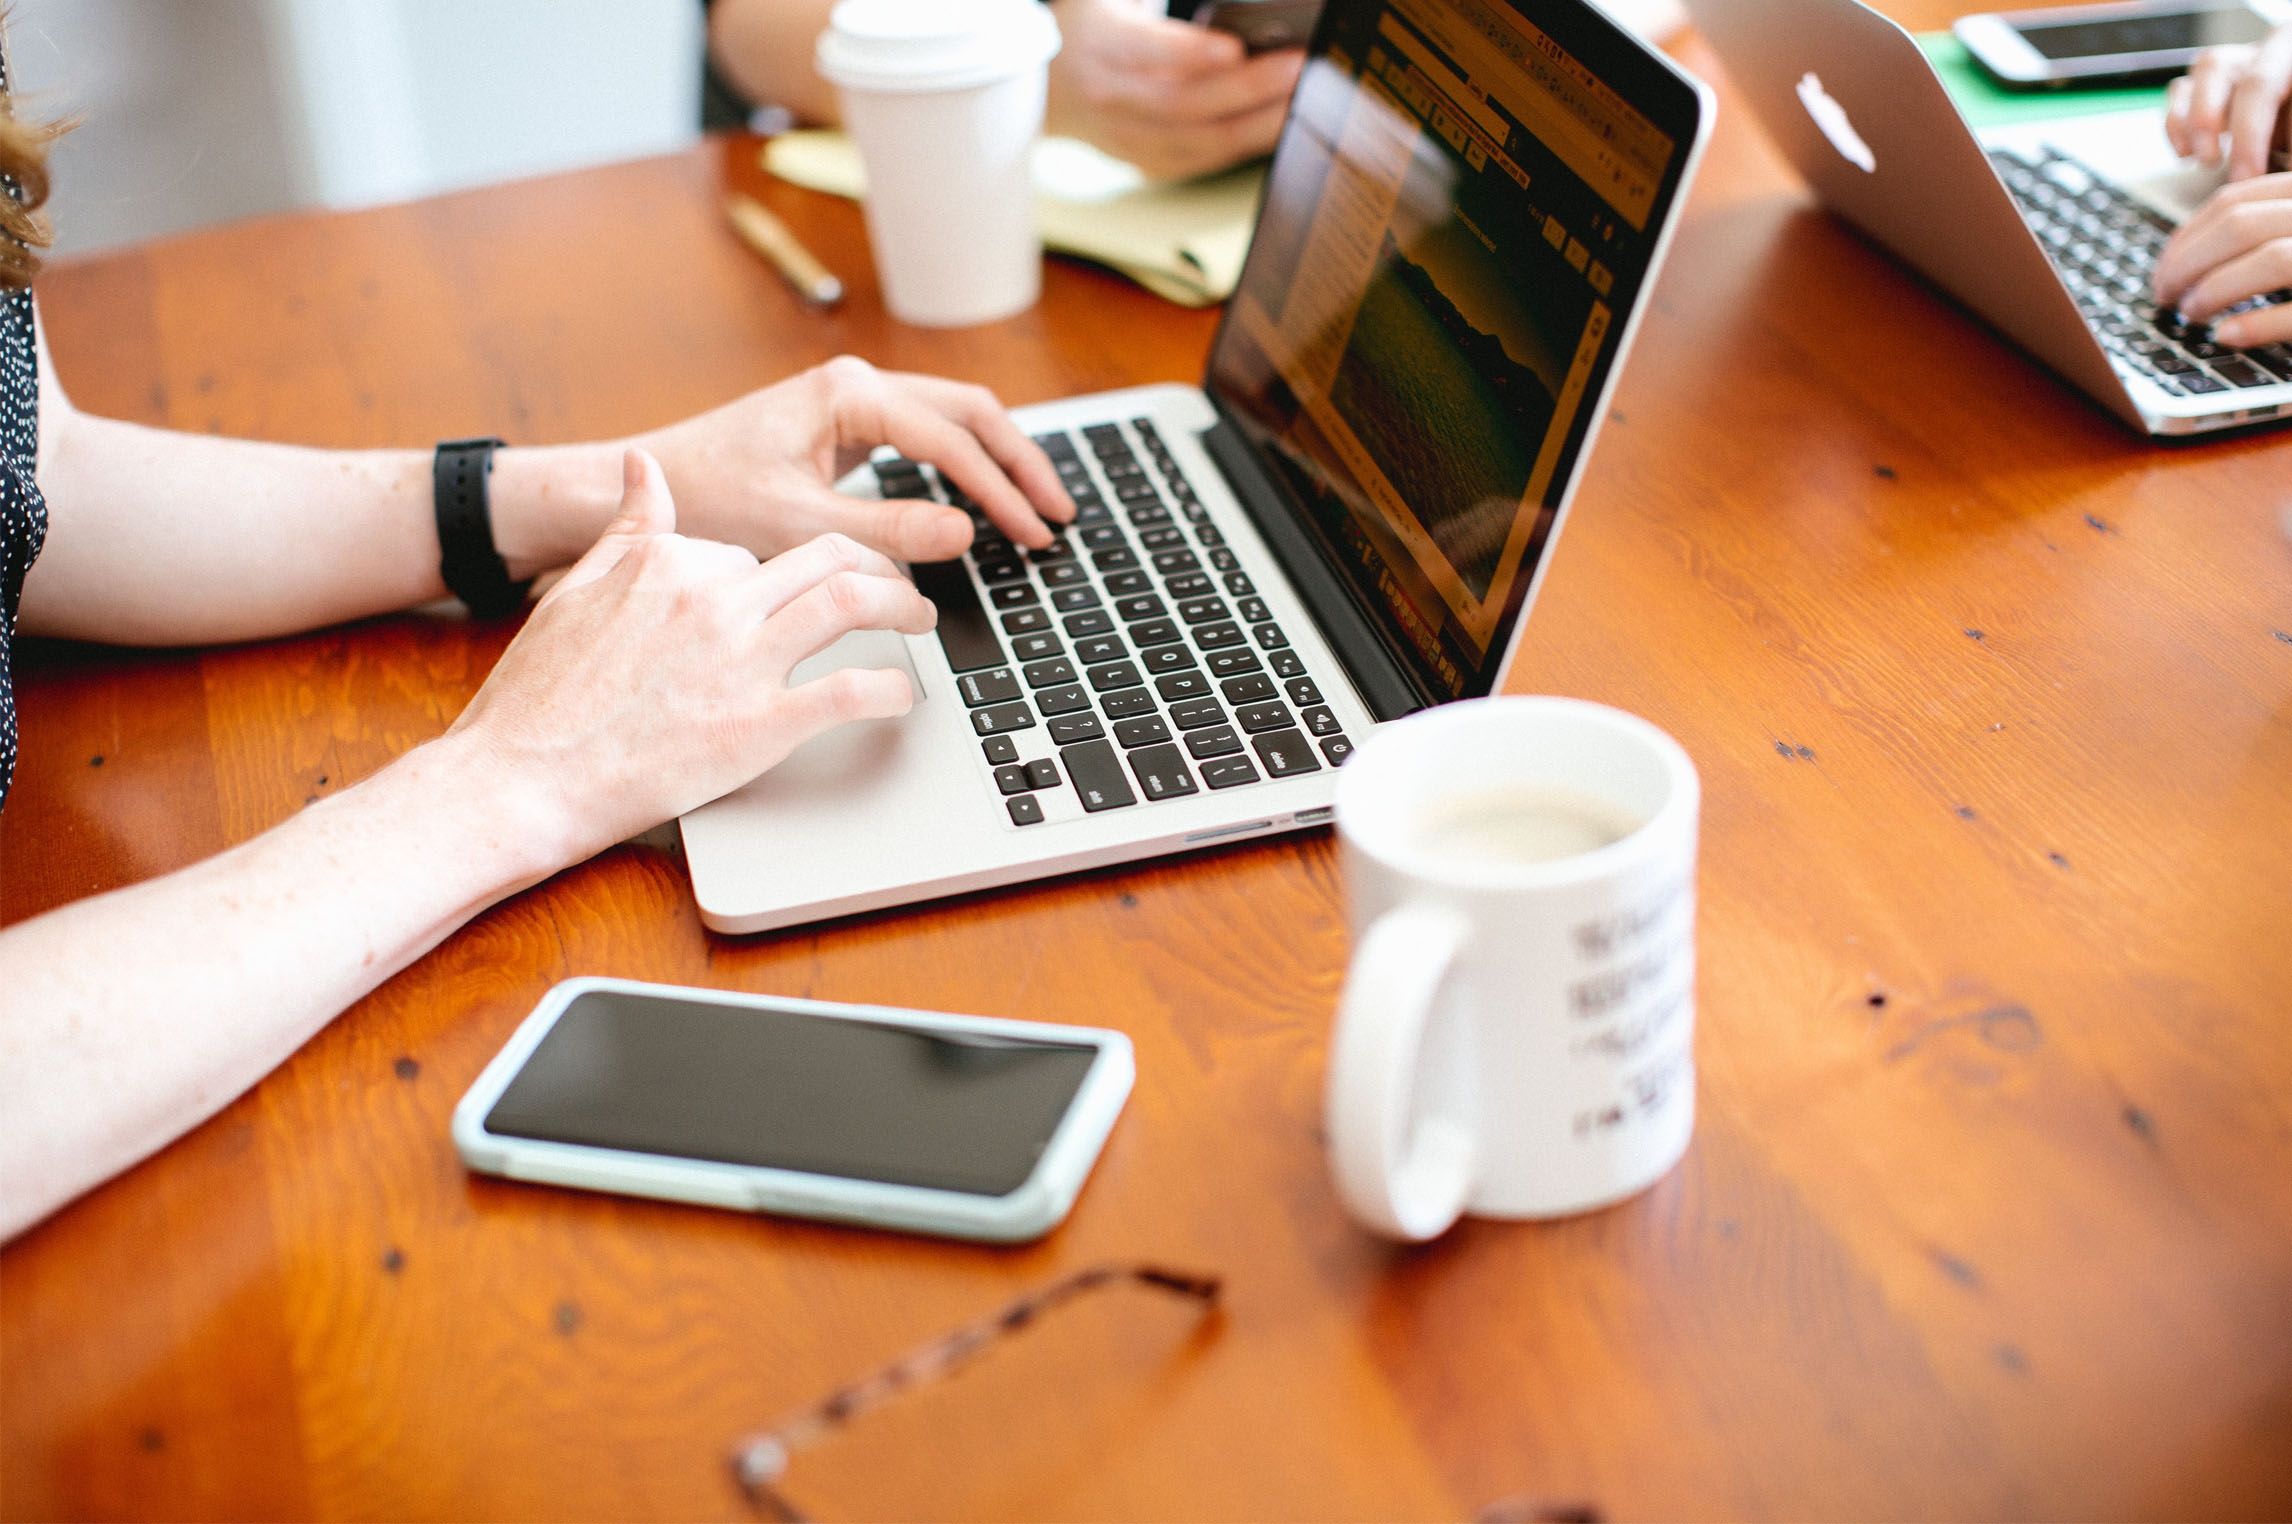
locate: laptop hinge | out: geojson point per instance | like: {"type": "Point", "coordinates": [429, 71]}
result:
{"type": "Point", "coordinates": [1388, 687]}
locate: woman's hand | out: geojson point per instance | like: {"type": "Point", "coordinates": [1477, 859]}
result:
{"type": "Point", "coordinates": [2234, 92]}
{"type": "Point", "coordinates": [2238, 245]}
{"type": "Point", "coordinates": [654, 676]}
{"type": "Point", "coordinates": [760, 472]}
{"type": "Point", "coordinates": [1172, 98]}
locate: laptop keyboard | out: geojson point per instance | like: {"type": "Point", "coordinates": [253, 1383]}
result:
{"type": "Point", "coordinates": [2104, 243]}
{"type": "Point", "coordinates": [1131, 659]}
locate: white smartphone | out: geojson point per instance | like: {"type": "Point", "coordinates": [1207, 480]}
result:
{"type": "Point", "coordinates": [2120, 43]}
{"type": "Point", "coordinates": [960, 1126]}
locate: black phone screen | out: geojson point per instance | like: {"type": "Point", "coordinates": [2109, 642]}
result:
{"type": "Point", "coordinates": [2174, 32]}
{"type": "Point", "coordinates": [865, 1100]}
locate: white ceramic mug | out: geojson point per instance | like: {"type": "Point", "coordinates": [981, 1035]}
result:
{"type": "Point", "coordinates": [945, 100]}
{"type": "Point", "coordinates": [1516, 1034]}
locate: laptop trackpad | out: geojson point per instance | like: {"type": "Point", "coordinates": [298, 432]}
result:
{"type": "Point", "coordinates": [861, 648]}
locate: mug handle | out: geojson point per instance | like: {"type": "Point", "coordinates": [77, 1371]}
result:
{"type": "Point", "coordinates": [1403, 1175]}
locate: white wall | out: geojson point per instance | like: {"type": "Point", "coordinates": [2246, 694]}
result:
{"type": "Point", "coordinates": [199, 111]}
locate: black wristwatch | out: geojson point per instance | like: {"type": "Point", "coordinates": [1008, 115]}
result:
{"type": "Point", "coordinates": [473, 569]}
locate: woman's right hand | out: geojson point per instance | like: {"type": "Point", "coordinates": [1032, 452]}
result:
{"type": "Point", "coordinates": [2234, 92]}
{"type": "Point", "coordinates": [654, 676]}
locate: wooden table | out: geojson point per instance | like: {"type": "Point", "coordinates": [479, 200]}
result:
{"type": "Point", "coordinates": [1989, 1211]}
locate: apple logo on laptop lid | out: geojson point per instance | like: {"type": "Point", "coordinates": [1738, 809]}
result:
{"type": "Point", "coordinates": [1831, 117]}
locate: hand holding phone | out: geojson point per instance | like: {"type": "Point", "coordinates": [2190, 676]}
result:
{"type": "Point", "coordinates": [961, 1126]}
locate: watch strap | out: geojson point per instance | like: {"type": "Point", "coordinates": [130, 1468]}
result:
{"type": "Point", "coordinates": [474, 571]}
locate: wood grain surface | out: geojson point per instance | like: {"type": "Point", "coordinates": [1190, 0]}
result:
{"type": "Point", "coordinates": [1989, 1208]}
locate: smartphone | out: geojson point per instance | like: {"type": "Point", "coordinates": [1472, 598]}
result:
{"type": "Point", "coordinates": [959, 1126]}
{"type": "Point", "coordinates": [1262, 25]}
{"type": "Point", "coordinates": [2109, 44]}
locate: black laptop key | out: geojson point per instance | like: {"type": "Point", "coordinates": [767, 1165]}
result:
{"type": "Point", "coordinates": [1286, 663]}
{"type": "Point", "coordinates": [1042, 774]}
{"type": "Point", "coordinates": [1202, 610]}
{"type": "Point", "coordinates": [1171, 562]}
{"type": "Point", "coordinates": [1000, 749]}
{"type": "Point", "coordinates": [996, 687]}
{"type": "Point", "coordinates": [1144, 606]}
{"type": "Point", "coordinates": [1336, 749]}
{"type": "Point", "coordinates": [1056, 445]}
{"type": "Point", "coordinates": [1115, 674]}
{"type": "Point", "coordinates": [1066, 729]}
{"type": "Point", "coordinates": [1013, 594]}
{"type": "Point", "coordinates": [1300, 690]}
{"type": "Point", "coordinates": [1096, 622]}
{"type": "Point", "coordinates": [1254, 611]}
{"type": "Point", "coordinates": [1269, 636]}
{"type": "Point", "coordinates": [1090, 510]}
{"type": "Point", "coordinates": [1064, 574]}
{"type": "Point", "coordinates": [1002, 717]}
{"type": "Point", "coordinates": [1193, 714]}
{"type": "Point", "coordinates": [1213, 637]}
{"type": "Point", "coordinates": [1099, 648]}
{"type": "Point", "coordinates": [1048, 674]}
{"type": "Point", "coordinates": [1162, 772]}
{"type": "Point", "coordinates": [1031, 648]}
{"type": "Point", "coordinates": [1104, 537]}
{"type": "Point", "coordinates": [1068, 600]}
{"type": "Point", "coordinates": [1253, 689]}
{"type": "Point", "coordinates": [1115, 558]}
{"type": "Point", "coordinates": [1059, 549]}
{"type": "Point", "coordinates": [1123, 703]}
{"type": "Point", "coordinates": [1096, 773]}
{"type": "Point", "coordinates": [1190, 585]}
{"type": "Point", "coordinates": [1225, 560]}
{"type": "Point", "coordinates": [1147, 515]}
{"type": "Point", "coordinates": [2240, 372]}
{"type": "Point", "coordinates": [1018, 622]}
{"type": "Point", "coordinates": [1273, 715]}
{"type": "Point", "coordinates": [1145, 730]}
{"type": "Point", "coordinates": [1155, 632]}
{"type": "Point", "coordinates": [1213, 741]}
{"type": "Point", "coordinates": [1285, 753]}
{"type": "Point", "coordinates": [1025, 809]}
{"type": "Point", "coordinates": [993, 572]}
{"type": "Point", "coordinates": [1162, 537]}
{"type": "Point", "coordinates": [2200, 382]}
{"type": "Point", "coordinates": [1320, 720]}
{"type": "Point", "coordinates": [964, 631]}
{"type": "Point", "coordinates": [1160, 659]}
{"type": "Point", "coordinates": [1232, 662]}
{"type": "Point", "coordinates": [1128, 584]}
{"type": "Point", "coordinates": [1011, 778]}
{"type": "Point", "coordinates": [1226, 772]}
{"type": "Point", "coordinates": [1062, 700]}
{"type": "Point", "coordinates": [1121, 466]}
{"type": "Point", "coordinates": [1209, 536]}
{"type": "Point", "coordinates": [1176, 687]}
{"type": "Point", "coordinates": [1136, 490]}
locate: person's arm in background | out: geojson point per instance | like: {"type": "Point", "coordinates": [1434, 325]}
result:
{"type": "Point", "coordinates": [2228, 111]}
{"type": "Point", "coordinates": [1172, 98]}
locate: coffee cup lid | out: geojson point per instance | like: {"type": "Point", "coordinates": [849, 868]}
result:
{"type": "Point", "coordinates": [920, 45]}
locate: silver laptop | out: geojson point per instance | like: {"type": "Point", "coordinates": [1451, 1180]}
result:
{"type": "Point", "coordinates": [1345, 523]}
{"type": "Point", "coordinates": [2048, 230]}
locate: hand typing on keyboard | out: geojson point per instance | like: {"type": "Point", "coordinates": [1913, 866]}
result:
{"type": "Point", "coordinates": [760, 472]}
{"type": "Point", "coordinates": [2231, 262]}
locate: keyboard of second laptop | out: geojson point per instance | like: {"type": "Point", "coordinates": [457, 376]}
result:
{"type": "Point", "coordinates": [2105, 243]}
{"type": "Point", "coordinates": [1114, 653]}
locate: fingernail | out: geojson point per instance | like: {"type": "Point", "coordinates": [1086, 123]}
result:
{"type": "Point", "coordinates": [2229, 331]}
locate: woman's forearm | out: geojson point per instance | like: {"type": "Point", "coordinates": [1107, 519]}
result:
{"type": "Point", "coordinates": [128, 1019]}
{"type": "Point", "coordinates": [163, 538]}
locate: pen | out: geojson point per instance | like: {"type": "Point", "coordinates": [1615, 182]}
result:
{"type": "Point", "coordinates": [769, 236]}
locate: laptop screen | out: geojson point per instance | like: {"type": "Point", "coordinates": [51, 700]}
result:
{"type": "Point", "coordinates": [1458, 221]}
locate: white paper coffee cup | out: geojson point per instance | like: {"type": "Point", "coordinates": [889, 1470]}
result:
{"type": "Point", "coordinates": [944, 99]}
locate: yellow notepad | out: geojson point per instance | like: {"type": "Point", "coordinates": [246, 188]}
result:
{"type": "Point", "coordinates": [1183, 241]}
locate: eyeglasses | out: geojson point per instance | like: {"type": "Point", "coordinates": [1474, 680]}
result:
{"type": "Point", "coordinates": [761, 1460]}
